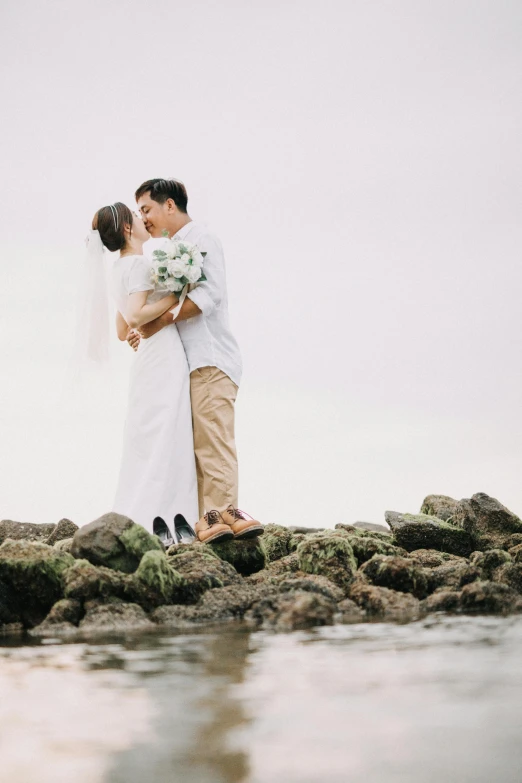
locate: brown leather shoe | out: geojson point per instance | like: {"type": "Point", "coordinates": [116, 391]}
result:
{"type": "Point", "coordinates": [211, 527]}
{"type": "Point", "coordinates": [243, 526]}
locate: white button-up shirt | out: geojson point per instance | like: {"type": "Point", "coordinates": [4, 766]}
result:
{"type": "Point", "coordinates": [207, 338]}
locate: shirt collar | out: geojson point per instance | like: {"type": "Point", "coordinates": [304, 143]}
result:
{"type": "Point", "coordinates": [182, 233]}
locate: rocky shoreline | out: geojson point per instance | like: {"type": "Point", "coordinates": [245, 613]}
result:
{"type": "Point", "coordinates": [112, 576]}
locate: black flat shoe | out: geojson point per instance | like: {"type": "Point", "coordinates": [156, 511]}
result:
{"type": "Point", "coordinates": [160, 529]}
{"type": "Point", "coordinates": [182, 530]}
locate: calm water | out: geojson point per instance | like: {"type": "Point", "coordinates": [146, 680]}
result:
{"type": "Point", "coordinates": [439, 700]}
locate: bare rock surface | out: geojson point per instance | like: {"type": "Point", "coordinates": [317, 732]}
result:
{"type": "Point", "coordinates": [25, 531]}
{"type": "Point", "coordinates": [487, 521]}
{"type": "Point", "coordinates": [64, 529]}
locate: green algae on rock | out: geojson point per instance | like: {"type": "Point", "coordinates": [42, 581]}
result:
{"type": "Point", "coordinates": [276, 542]}
{"type": "Point", "coordinates": [115, 617]}
{"type": "Point", "coordinates": [247, 556]}
{"type": "Point", "coordinates": [34, 573]}
{"type": "Point", "coordinates": [419, 531]}
{"type": "Point", "coordinates": [114, 541]}
{"type": "Point", "coordinates": [489, 598]}
{"type": "Point", "coordinates": [397, 573]}
{"type": "Point", "coordinates": [329, 555]}
{"type": "Point", "coordinates": [383, 603]}
{"type": "Point", "coordinates": [290, 612]}
{"type": "Point", "coordinates": [155, 572]}
{"type": "Point", "coordinates": [201, 570]}
{"type": "Point", "coordinates": [439, 506]}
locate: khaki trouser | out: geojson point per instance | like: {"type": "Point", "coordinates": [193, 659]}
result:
{"type": "Point", "coordinates": [213, 395]}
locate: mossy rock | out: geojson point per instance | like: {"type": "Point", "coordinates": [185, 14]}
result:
{"type": "Point", "coordinates": [439, 506]}
{"type": "Point", "coordinates": [84, 581]}
{"type": "Point", "coordinates": [397, 573]}
{"type": "Point", "coordinates": [488, 522]}
{"type": "Point", "coordinates": [489, 561]}
{"type": "Point", "coordinates": [441, 601]}
{"type": "Point", "coordinates": [383, 603]}
{"type": "Point", "coordinates": [291, 611]}
{"type": "Point", "coordinates": [510, 574]}
{"type": "Point", "coordinates": [34, 572]}
{"type": "Point", "coordinates": [276, 542]}
{"type": "Point", "coordinates": [366, 546]}
{"type": "Point", "coordinates": [160, 578]}
{"type": "Point", "coordinates": [487, 597]}
{"type": "Point", "coordinates": [247, 557]}
{"type": "Point", "coordinates": [114, 541]}
{"type": "Point", "coordinates": [201, 570]}
{"type": "Point", "coordinates": [328, 554]}
{"type": "Point", "coordinates": [419, 531]}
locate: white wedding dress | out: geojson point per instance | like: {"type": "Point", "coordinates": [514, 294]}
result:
{"type": "Point", "coordinates": [158, 472]}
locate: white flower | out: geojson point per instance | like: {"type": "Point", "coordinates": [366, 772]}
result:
{"type": "Point", "coordinates": [192, 273]}
{"type": "Point", "coordinates": [174, 285]}
{"type": "Point", "coordinates": [197, 258]}
{"type": "Point", "coordinates": [176, 267]}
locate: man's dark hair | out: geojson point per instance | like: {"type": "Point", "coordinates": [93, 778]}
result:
{"type": "Point", "coordinates": [162, 189]}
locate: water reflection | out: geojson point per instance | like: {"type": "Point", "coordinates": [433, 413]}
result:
{"type": "Point", "coordinates": [438, 700]}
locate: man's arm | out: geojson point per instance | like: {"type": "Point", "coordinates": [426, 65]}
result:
{"type": "Point", "coordinates": [188, 310]}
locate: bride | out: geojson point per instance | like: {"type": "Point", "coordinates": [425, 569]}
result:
{"type": "Point", "coordinates": [157, 479]}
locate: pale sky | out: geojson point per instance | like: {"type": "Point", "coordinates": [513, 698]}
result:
{"type": "Point", "coordinates": [361, 162]}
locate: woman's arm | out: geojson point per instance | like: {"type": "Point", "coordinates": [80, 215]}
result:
{"type": "Point", "coordinates": [122, 327]}
{"type": "Point", "coordinates": [139, 312]}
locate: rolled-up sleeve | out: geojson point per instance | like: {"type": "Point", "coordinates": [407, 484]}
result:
{"type": "Point", "coordinates": [208, 295]}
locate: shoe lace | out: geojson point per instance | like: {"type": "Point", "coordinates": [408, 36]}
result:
{"type": "Point", "coordinates": [237, 513]}
{"type": "Point", "coordinates": [212, 517]}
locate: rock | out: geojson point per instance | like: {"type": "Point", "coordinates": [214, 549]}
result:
{"type": "Point", "coordinates": [286, 565]}
{"type": "Point", "coordinates": [329, 555]}
{"type": "Point", "coordinates": [489, 598]}
{"type": "Point", "coordinates": [247, 556]}
{"type": "Point", "coordinates": [371, 527]}
{"type": "Point", "coordinates": [452, 575]}
{"type": "Point", "coordinates": [432, 558]}
{"type": "Point", "coordinates": [287, 583]}
{"type": "Point", "coordinates": [164, 583]}
{"type": "Point", "coordinates": [418, 531]}
{"type": "Point", "coordinates": [114, 541]}
{"type": "Point", "coordinates": [65, 529]}
{"type": "Point", "coordinates": [383, 603]}
{"type": "Point", "coordinates": [295, 541]}
{"type": "Point", "coordinates": [439, 506]}
{"type": "Point", "coordinates": [115, 618]}
{"type": "Point", "coordinates": [366, 546]}
{"type": "Point", "coordinates": [215, 606]}
{"type": "Point", "coordinates": [347, 611]}
{"type": "Point", "coordinates": [347, 528]}
{"type": "Point", "coordinates": [276, 541]}
{"type": "Point", "coordinates": [64, 545]}
{"type": "Point", "coordinates": [24, 531]}
{"type": "Point", "coordinates": [293, 611]}
{"type": "Point", "coordinates": [201, 571]}
{"type": "Point", "coordinates": [305, 530]}
{"type": "Point", "coordinates": [441, 601]}
{"type": "Point", "coordinates": [489, 561]}
{"type": "Point", "coordinates": [84, 581]}
{"type": "Point", "coordinates": [11, 629]}
{"type": "Point", "coordinates": [10, 605]}
{"type": "Point", "coordinates": [490, 524]}
{"type": "Point", "coordinates": [62, 619]}
{"type": "Point", "coordinates": [516, 553]}
{"type": "Point", "coordinates": [34, 573]}
{"type": "Point", "coordinates": [513, 540]}
{"type": "Point", "coordinates": [510, 574]}
{"type": "Point", "coordinates": [397, 573]}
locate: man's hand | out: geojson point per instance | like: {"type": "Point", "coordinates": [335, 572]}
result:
{"type": "Point", "coordinates": [133, 338]}
{"type": "Point", "coordinates": [147, 330]}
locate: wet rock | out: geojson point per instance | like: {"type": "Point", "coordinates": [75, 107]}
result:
{"type": "Point", "coordinates": [370, 527]}
{"type": "Point", "coordinates": [62, 619]}
{"type": "Point", "coordinates": [286, 565]}
{"type": "Point", "coordinates": [383, 603]}
{"type": "Point", "coordinates": [164, 584]}
{"type": "Point", "coordinates": [347, 611]}
{"type": "Point", "coordinates": [292, 611]}
{"type": "Point", "coordinates": [516, 553]}
{"type": "Point", "coordinates": [215, 606]}
{"type": "Point", "coordinates": [490, 524]}
{"type": "Point", "coordinates": [115, 618]}
{"type": "Point", "coordinates": [441, 601]}
{"type": "Point", "coordinates": [247, 557]}
{"type": "Point", "coordinates": [84, 581]}
{"type": "Point", "coordinates": [11, 629]}
{"type": "Point", "coordinates": [34, 573]}
{"type": "Point", "coordinates": [24, 531]}
{"type": "Point", "coordinates": [439, 506]}
{"type": "Point", "coordinates": [201, 571]}
{"type": "Point", "coordinates": [328, 555]}
{"type": "Point", "coordinates": [489, 598]}
{"type": "Point", "coordinates": [367, 545]}
{"type": "Point", "coordinates": [114, 541]}
{"type": "Point", "coordinates": [397, 573]}
{"type": "Point", "coordinates": [418, 531]}
{"type": "Point", "coordinates": [305, 530]}
{"type": "Point", "coordinates": [510, 574]}
{"type": "Point", "coordinates": [452, 575]}
{"type": "Point", "coordinates": [286, 583]}
{"type": "Point", "coordinates": [64, 545]}
{"type": "Point", "coordinates": [432, 558]}
{"type": "Point", "coordinates": [10, 607]}
{"type": "Point", "coordinates": [276, 541]}
{"type": "Point", "coordinates": [65, 529]}
{"type": "Point", "coordinates": [487, 562]}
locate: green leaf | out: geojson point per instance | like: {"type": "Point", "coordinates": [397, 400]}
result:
{"type": "Point", "coordinates": [165, 233]}
{"type": "Point", "coordinates": [159, 254]}
{"type": "Point", "coordinates": [202, 278]}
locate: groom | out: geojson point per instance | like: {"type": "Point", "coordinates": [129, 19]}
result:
{"type": "Point", "coordinates": [213, 357]}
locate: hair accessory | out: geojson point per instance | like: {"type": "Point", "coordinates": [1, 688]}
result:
{"type": "Point", "coordinates": [114, 215]}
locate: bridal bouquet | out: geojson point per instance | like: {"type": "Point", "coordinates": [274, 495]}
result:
{"type": "Point", "coordinates": [177, 265]}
